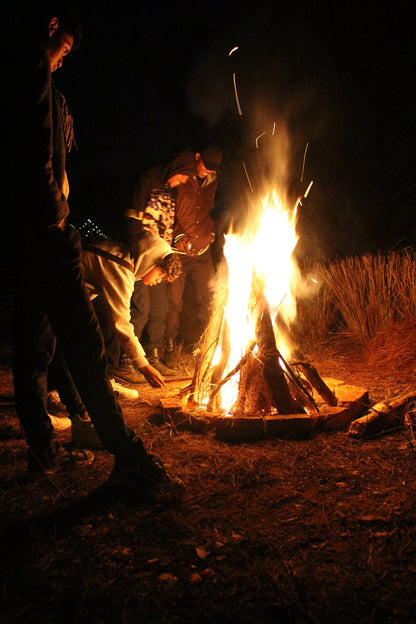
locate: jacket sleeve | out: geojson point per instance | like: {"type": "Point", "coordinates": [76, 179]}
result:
{"type": "Point", "coordinates": [116, 283]}
{"type": "Point", "coordinates": [40, 186]}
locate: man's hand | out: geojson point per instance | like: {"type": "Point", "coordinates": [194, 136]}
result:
{"type": "Point", "coordinates": [184, 245]}
{"type": "Point", "coordinates": [153, 376]}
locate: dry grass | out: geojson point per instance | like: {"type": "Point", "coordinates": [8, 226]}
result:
{"type": "Point", "coordinates": [393, 347]}
{"type": "Point", "coordinates": [360, 296]}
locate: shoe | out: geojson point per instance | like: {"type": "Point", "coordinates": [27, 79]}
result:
{"type": "Point", "coordinates": [46, 460]}
{"type": "Point", "coordinates": [118, 388]}
{"type": "Point", "coordinates": [60, 423]}
{"type": "Point", "coordinates": [83, 434]}
{"type": "Point", "coordinates": [171, 356]}
{"type": "Point", "coordinates": [154, 359]}
{"type": "Point", "coordinates": [147, 479]}
{"type": "Point", "coordinates": [127, 372]}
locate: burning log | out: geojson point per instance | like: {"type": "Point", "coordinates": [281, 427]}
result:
{"type": "Point", "coordinates": [317, 382]}
{"type": "Point", "coordinates": [254, 395]}
{"type": "Point", "coordinates": [384, 415]}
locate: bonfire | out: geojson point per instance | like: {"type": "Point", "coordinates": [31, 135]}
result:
{"type": "Point", "coordinates": [242, 374]}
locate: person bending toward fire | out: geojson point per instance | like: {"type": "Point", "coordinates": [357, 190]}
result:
{"type": "Point", "coordinates": [111, 271]}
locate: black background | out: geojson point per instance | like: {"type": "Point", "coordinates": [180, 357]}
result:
{"type": "Point", "coordinates": [151, 78]}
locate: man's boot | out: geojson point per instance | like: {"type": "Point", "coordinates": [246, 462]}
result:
{"type": "Point", "coordinates": [171, 357]}
{"type": "Point", "coordinates": [154, 359]}
{"type": "Point", "coordinates": [127, 372]}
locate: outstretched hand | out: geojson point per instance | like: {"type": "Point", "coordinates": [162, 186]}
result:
{"type": "Point", "coordinates": [153, 376]}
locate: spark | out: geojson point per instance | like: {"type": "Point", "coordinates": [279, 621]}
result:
{"type": "Point", "coordinates": [259, 137]}
{"type": "Point", "coordinates": [303, 165]}
{"type": "Point", "coordinates": [308, 189]}
{"type": "Point", "coordinates": [274, 128]}
{"type": "Point", "coordinates": [248, 179]}
{"type": "Point", "coordinates": [315, 281]}
{"type": "Point", "coordinates": [233, 50]}
{"type": "Point", "coordinates": [236, 96]}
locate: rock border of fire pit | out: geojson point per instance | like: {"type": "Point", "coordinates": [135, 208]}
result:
{"type": "Point", "coordinates": [353, 402]}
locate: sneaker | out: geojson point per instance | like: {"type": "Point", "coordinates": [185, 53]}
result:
{"type": "Point", "coordinates": [48, 459]}
{"type": "Point", "coordinates": [60, 423]}
{"type": "Point", "coordinates": [127, 372]}
{"type": "Point", "coordinates": [83, 434]}
{"type": "Point", "coordinates": [146, 478]}
{"type": "Point", "coordinates": [118, 388]}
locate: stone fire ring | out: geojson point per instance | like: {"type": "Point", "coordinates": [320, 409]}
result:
{"type": "Point", "coordinates": [353, 402]}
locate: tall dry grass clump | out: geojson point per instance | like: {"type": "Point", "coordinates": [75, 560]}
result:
{"type": "Point", "coordinates": [361, 296]}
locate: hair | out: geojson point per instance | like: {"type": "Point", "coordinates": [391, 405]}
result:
{"type": "Point", "coordinates": [36, 17]}
{"type": "Point", "coordinates": [172, 266]}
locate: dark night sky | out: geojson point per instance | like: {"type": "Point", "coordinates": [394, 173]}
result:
{"type": "Point", "coordinates": [152, 78]}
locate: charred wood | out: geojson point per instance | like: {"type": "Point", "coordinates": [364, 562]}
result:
{"type": "Point", "coordinates": [317, 382]}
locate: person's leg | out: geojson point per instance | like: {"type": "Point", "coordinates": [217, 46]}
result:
{"type": "Point", "coordinates": [58, 286]}
{"type": "Point", "coordinates": [157, 316]}
{"type": "Point", "coordinates": [156, 328]}
{"type": "Point", "coordinates": [140, 307]}
{"type": "Point", "coordinates": [201, 275]}
{"type": "Point", "coordinates": [33, 349]}
{"type": "Point", "coordinates": [59, 378]}
{"type": "Point", "coordinates": [175, 293]}
{"type": "Point", "coordinates": [76, 327]}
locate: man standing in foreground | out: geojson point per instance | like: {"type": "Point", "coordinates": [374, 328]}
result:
{"type": "Point", "coordinates": [50, 298]}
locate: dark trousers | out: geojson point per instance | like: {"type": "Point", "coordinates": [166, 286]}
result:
{"type": "Point", "coordinates": [198, 271]}
{"type": "Point", "coordinates": [51, 301]}
{"type": "Point", "coordinates": [149, 308]}
{"type": "Point", "coordinates": [60, 378]}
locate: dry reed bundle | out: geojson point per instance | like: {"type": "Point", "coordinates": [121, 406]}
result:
{"type": "Point", "coordinates": [373, 291]}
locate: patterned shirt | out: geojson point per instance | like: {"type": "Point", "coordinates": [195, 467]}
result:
{"type": "Point", "coordinates": [159, 214]}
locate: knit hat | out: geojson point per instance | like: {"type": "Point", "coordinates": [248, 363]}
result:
{"type": "Point", "coordinates": [212, 157]}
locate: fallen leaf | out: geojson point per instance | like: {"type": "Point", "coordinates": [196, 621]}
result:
{"type": "Point", "coordinates": [201, 552]}
{"type": "Point", "coordinates": [169, 578]}
{"type": "Point", "coordinates": [195, 578]}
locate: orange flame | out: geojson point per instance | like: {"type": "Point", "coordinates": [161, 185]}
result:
{"type": "Point", "coordinates": [266, 256]}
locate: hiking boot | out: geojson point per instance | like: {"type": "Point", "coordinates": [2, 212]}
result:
{"type": "Point", "coordinates": [154, 359]}
{"type": "Point", "coordinates": [127, 372]}
{"type": "Point", "coordinates": [46, 460]}
{"type": "Point", "coordinates": [171, 356]}
{"type": "Point", "coordinates": [147, 479]}
{"type": "Point", "coordinates": [83, 434]}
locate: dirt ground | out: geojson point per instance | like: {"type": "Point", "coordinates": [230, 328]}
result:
{"type": "Point", "coordinates": [320, 530]}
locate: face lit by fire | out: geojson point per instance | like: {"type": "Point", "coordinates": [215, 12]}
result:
{"type": "Point", "coordinates": [58, 45]}
{"type": "Point", "coordinates": [154, 276]}
{"type": "Point", "coordinates": [201, 170]}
